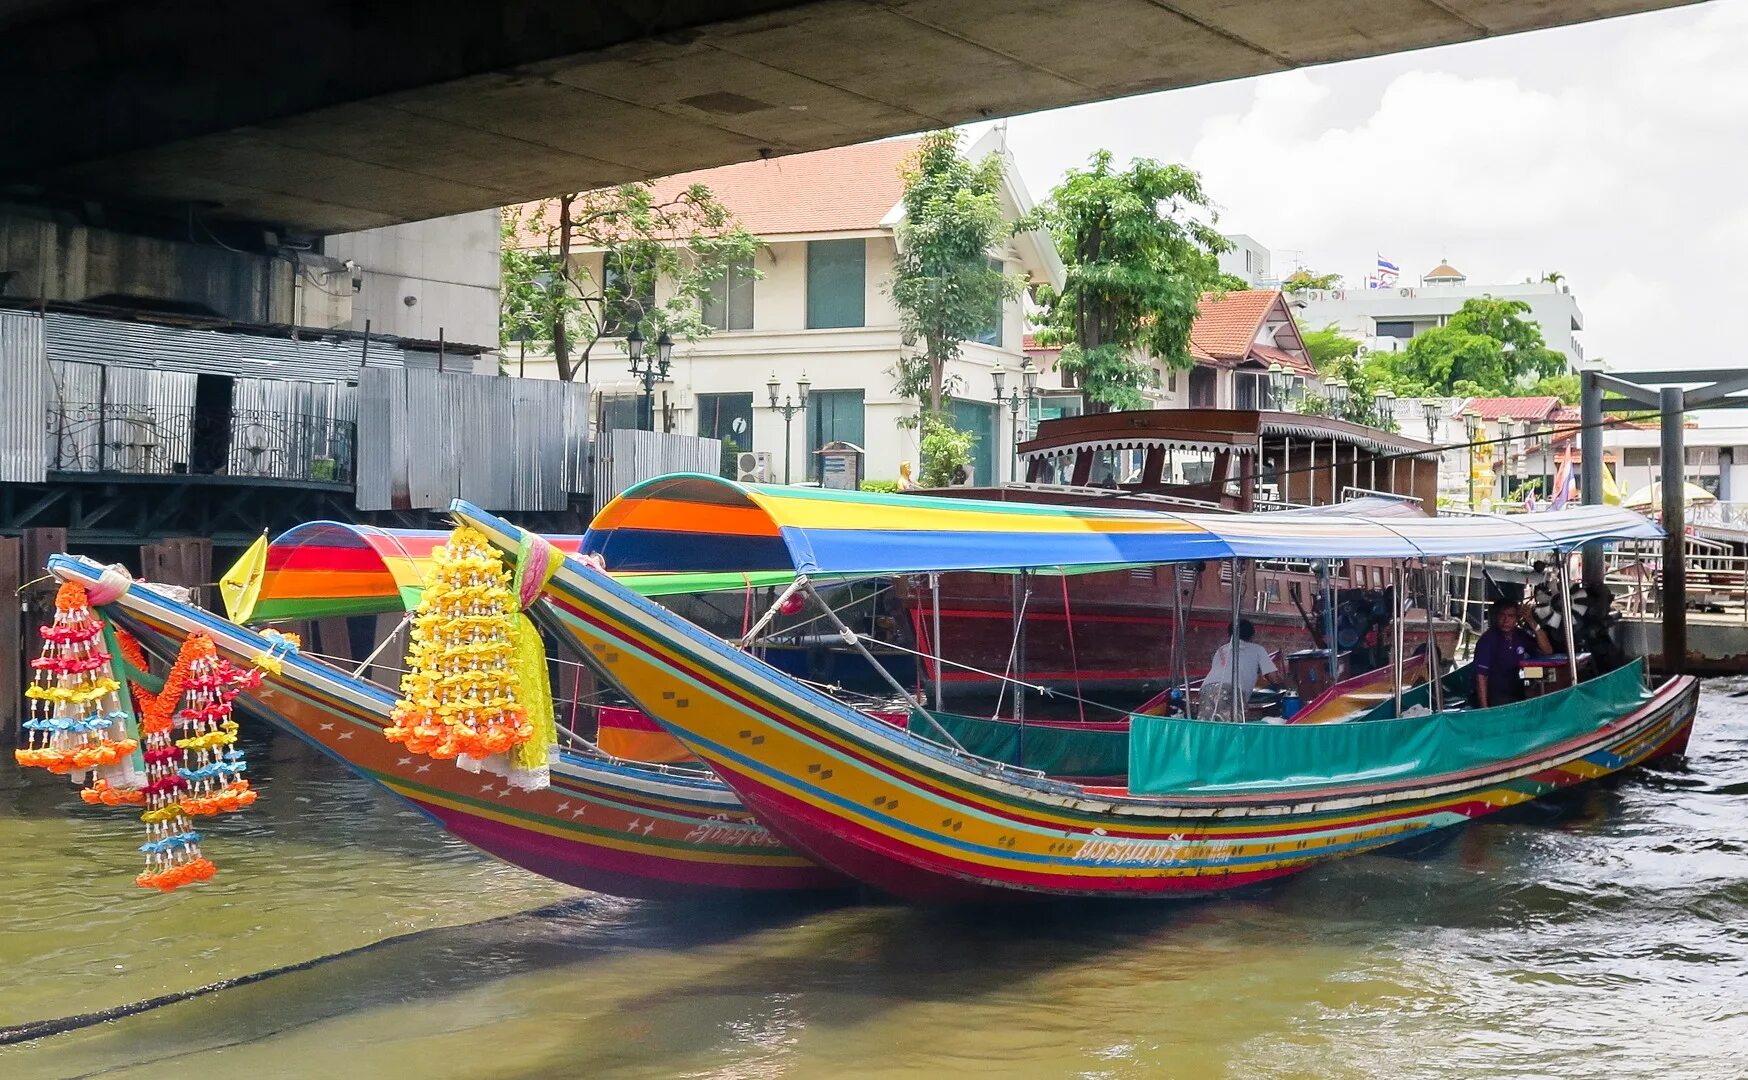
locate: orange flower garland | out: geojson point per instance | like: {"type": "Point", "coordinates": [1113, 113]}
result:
{"type": "Point", "coordinates": [461, 694]}
{"type": "Point", "coordinates": [76, 725]}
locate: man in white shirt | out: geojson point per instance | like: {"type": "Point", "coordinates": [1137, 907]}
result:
{"type": "Point", "coordinates": [1253, 663]}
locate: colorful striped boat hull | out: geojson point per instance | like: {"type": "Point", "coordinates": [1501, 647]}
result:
{"type": "Point", "coordinates": [915, 819]}
{"type": "Point", "coordinates": [606, 826]}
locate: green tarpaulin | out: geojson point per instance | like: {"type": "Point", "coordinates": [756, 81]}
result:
{"type": "Point", "coordinates": [1175, 756]}
{"type": "Point", "coordinates": [1054, 750]}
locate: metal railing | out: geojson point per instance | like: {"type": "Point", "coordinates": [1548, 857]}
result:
{"type": "Point", "coordinates": [170, 440]}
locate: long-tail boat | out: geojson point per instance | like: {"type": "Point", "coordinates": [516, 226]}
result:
{"type": "Point", "coordinates": [1204, 806]}
{"type": "Point", "coordinates": [611, 826]}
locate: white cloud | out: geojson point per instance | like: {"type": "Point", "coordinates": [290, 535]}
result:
{"type": "Point", "coordinates": [1612, 152]}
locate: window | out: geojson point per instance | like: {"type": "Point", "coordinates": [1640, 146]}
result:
{"type": "Point", "coordinates": [621, 412]}
{"type": "Point", "coordinates": [837, 283]}
{"type": "Point", "coordinates": [729, 304]}
{"type": "Point", "coordinates": [1204, 387]}
{"type": "Point", "coordinates": [979, 418]}
{"type": "Point", "coordinates": [991, 333]}
{"type": "Point", "coordinates": [832, 416]}
{"type": "Point", "coordinates": [728, 417]}
{"type": "Point", "coordinates": [1401, 330]}
{"type": "Point", "coordinates": [1247, 390]}
{"type": "Point", "coordinates": [1054, 406]}
{"type": "Point", "coordinates": [629, 292]}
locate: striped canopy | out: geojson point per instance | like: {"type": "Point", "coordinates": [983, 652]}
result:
{"type": "Point", "coordinates": [694, 522]}
{"type": "Point", "coordinates": [326, 569]}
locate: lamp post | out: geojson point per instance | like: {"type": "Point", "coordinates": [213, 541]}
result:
{"type": "Point", "coordinates": [1507, 432]}
{"type": "Point", "coordinates": [788, 408]}
{"type": "Point", "coordinates": [1021, 397]}
{"type": "Point", "coordinates": [1472, 428]}
{"type": "Point", "coordinates": [1280, 383]}
{"type": "Point", "coordinates": [649, 369]}
{"type": "Point", "coordinates": [1384, 408]}
{"type": "Point", "coordinates": [1336, 390]}
{"type": "Point", "coordinates": [1430, 409]}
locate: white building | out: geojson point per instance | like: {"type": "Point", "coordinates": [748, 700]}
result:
{"type": "Point", "coordinates": [424, 280]}
{"type": "Point", "coordinates": [1248, 260]}
{"type": "Point", "coordinates": [1385, 319]}
{"type": "Point", "coordinates": [822, 311]}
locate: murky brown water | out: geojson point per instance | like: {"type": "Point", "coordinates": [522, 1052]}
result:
{"type": "Point", "coordinates": [1606, 936]}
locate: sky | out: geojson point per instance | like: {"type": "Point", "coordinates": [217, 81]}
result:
{"type": "Point", "coordinates": [1614, 152]}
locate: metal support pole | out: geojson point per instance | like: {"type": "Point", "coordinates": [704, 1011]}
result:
{"type": "Point", "coordinates": [1674, 469]}
{"type": "Point", "coordinates": [1180, 662]}
{"type": "Point", "coordinates": [1590, 469]}
{"type": "Point", "coordinates": [1566, 614]}
{"type": "Point", "coordinates": [940, 671]}
{"type": "Point", "coordinates": [788, 418]}
{"type": "Point", "coordinates": [1434, 689]}
{"type": "Point", "coordinates": [1397, 635]}
{"type": "Point", "coordinates": [752, 635]}
{"type": "Point", "coordinates": [1329, 620]}
{"type": "Point", "coordinates": [1232, 661]}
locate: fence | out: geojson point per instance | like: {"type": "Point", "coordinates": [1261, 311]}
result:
{"type": "Point", "coordinates": [625, 457]}
{"type": "Point", "coordinates": [172, 440]}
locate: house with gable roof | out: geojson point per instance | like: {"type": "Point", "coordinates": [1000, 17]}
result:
{"type": "Point", "coordinates": [819, 309]}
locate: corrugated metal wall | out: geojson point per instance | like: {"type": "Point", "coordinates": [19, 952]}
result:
{"type": "Point", "coordinates": [24, 399]}
{"type": "Point", "coordinates": [624, 457]}
{"type": "Point", "coordinates": [114, 342]}
{"type": "Point", "coordinates": [425, 438]}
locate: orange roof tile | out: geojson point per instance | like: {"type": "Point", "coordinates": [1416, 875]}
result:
{"type": "Point", "coordinates": [846, 189]}
{"type": "Point", "coordinates": [1226, 326]}
{"type": "Point", "coordinates": [1516, 408]}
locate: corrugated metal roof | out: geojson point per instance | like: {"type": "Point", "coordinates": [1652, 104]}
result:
{"type": "Point", "coordinates": [24, 394]}
{"type": "Point", "coordinates": [83, 338]}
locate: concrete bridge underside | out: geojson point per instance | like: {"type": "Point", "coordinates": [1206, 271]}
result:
{"type": "Point", "coordinates": [323, 116]}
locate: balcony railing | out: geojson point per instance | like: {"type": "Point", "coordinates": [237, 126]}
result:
{"type": "Point", "coordinates": [160, 440]}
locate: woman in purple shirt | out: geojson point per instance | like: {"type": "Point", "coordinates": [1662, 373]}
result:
{"type": "Point", "coordinates": [1513, 638]}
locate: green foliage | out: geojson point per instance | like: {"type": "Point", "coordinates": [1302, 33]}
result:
{"type": "Point", "coordinates": [551, 294]}
{"type": "Point", "coordinates": [1363, 383]}
{"type": "Point", "coordinates": [1224, 283]}
{"type": "Point", "coordinates": [945, 451]}
{"type": "Point", "coordinates": [884, 487]}
{"type": "Point", "coordinates": [1327, 345]}
{"type": "Point", "coordinates": [1140, 249]}
{"type": "Point", "coordinates": [730, 458]}
{"type": "Point", "coordinates": [1487, 349]}
{"type": "Point", "coordinates": [1303, 279]}
{"type": "Point", "coordinates": [943, 282]}
{"type": "Point", "coordinates": [1565, 386]}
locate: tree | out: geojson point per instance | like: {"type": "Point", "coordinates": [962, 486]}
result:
{"type": "Point", "coordinates": [1487, 349]}
{"type": "Point", "coordinates": [1327, 345]}
{"type": "Point", "coordinates": [945, 283]}
{"type": "Point", "coordinates": [1139, 257]}
{"type": "Point", "coordinates": [1303, 279]}
{"type": "Point", "coordinates": [687, 241]}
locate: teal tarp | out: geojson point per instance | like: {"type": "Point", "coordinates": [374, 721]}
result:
{"type": "Point", "coordinates": [1176, 756]}
{"type": "Point", "coordinates": [1054, 750]}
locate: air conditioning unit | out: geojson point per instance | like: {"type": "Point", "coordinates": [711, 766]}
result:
{"type": "Point", "coordinates": [753, 466]}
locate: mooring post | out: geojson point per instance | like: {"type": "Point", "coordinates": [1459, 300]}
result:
{"type": "Point", "coordinates": [1671, 406]}
{"type": "Point", "coordinates": [1590, 476]}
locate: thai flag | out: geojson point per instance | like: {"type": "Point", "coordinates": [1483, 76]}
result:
{"type": "Point", "coordinates": [1563, 484]}
{"type": "Point", "coordinates": [1529, 502]}
{"type": "Point", "coordinates": [1386, 273]}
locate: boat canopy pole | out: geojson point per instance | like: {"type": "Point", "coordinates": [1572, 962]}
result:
{"type": "Point", "coordinates": [799, 583]}
{"type": "Point", "coordinates": [1329, 619]}
{"type": "Point", "coordinates": [935, 596]}
{"type": "Point", "coordinates": [1565, 558]}
{"type": "Point", "coordinates": [358, 672]}
{"type": "Point", "coordinates": [854, 639]}
{"type": "Point", "coordinates": [1397, 636]}
{"type": "Point", "coordinates": [1434, 688]}
{"type": "Point", "coordinates": [1177, 664]}
{"type": "Point", "coordinates": [1232, 656]}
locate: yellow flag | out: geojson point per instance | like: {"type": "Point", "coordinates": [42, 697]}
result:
{"type": "Point", "coordinates": [1611, 491]}
{"type": "Point", "coordinates": [241, 584]}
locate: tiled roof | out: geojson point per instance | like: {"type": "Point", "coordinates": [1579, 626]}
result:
{"type": "Point", "coordinates": [846, 189]}
{"type": "Point", "coordinates": [1226, 326]}
{"type": "Point", "coordinates": [1443, 270]}
{"type": "Point", "coordinates": [1270, 354]}
{"type": "Point", "coordinates": [1516, 408]}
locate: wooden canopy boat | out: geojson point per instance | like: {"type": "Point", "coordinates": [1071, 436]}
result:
{"type": "Point", "coordinates": [611, 826]}
{"type": "Point", "coordinates": [1207, 806]}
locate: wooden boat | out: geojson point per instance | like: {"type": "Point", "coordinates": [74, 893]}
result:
{"type": "Point", "coordinates": [610, 826]}
{"type": "Point", "coordinates": [1206, 807]}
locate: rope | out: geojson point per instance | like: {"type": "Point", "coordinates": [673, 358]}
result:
{"type": "Point", "coordinates": [1073, 656]}
{"type": "Point", "coordinates": [1040, 688]}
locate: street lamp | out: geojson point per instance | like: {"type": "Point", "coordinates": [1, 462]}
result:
{"type": "Point", "coordinates": [1472, 428]}
{"type": "Point", "coordinates": [1384, 408]}
{"type": "Point", "coordinates": [649, 369]}
{"type": "Point", "coordinates": [1280, 383]}
{"type": "Point", "coordinates": [1507, 432]}
{"type": "Point", "coordinates": [788, 409]}
{"type": "Point", "coordinates": [1430, 408]}
{"type": "Point", "coordinates": [1336, 389]}
{"type": "Point", "coordinates": [1019, 399]}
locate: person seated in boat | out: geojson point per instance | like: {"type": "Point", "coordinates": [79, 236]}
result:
{"type": "Point", "coordinates": [1254, 663]}
{"type": "Point", "coordinates": [1513, 637]}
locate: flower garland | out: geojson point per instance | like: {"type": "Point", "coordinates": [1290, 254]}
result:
{"type": "Point", "coordinates": [77, 725]}
{"type": "Point", "coordinates": [461, 698]}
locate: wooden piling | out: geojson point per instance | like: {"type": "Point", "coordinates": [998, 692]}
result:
{"type": "Point", "coordinates": [12, 661]}
{"type": "Point", "coordinates": [39, 597]}
{"type": "Point", "coordinates": [181, 560]}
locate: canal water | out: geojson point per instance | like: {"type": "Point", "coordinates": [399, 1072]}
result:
{"type": "Point", "coordinates": [1602, 936]}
